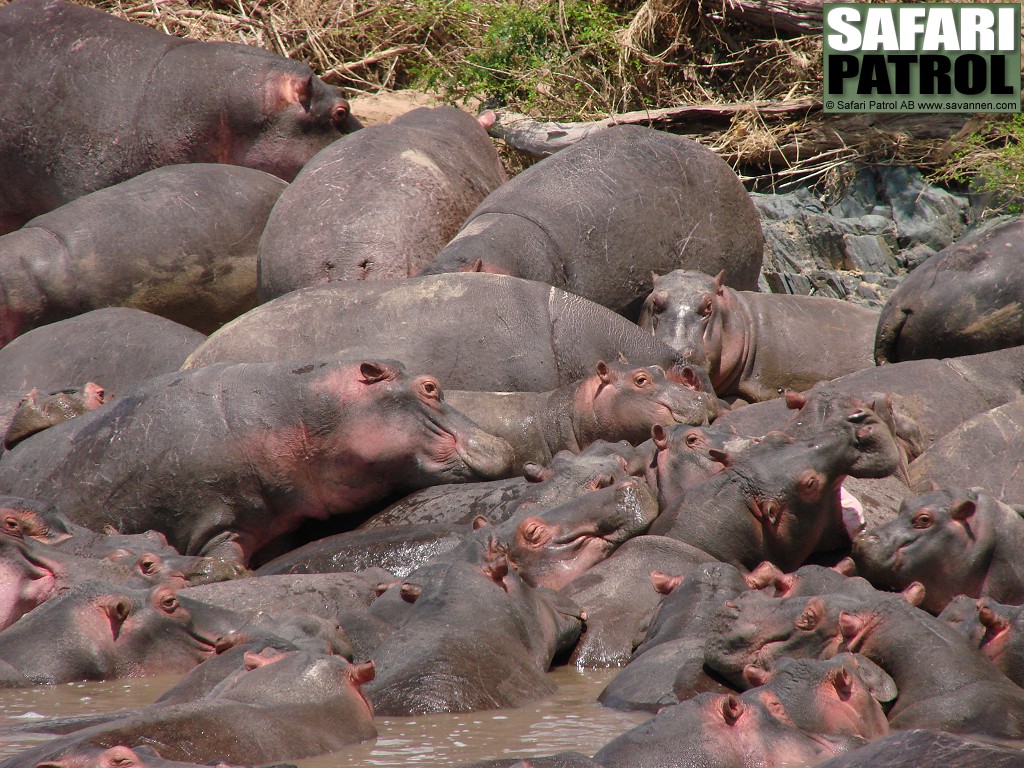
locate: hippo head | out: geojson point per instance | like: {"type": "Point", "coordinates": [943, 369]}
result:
{"type": "Point", "coordinates": [378, 418]}
{"type": "Point", "coordinates": [280, 114]}
{"type": "Point", "coordinates": [840, 697]}
{"type": "Point", "coordinates": [684, 311]}
{"type": "Point", "coordinates": [29, 518]}
{"type": "Point", "coordinates": [555, 546]}
{"type": "Point", "coordinates": [687, 455]}
{"type": "Point", "coordinates": [714, 730]}
{"type": "Point", "coordinates": [319, 685]}
{"type": "Point", "coordinates": [943, 539]}
{"type": "Point", "coordinates": [623, 402]}
{"type": "Point", "coordinates": [753, 630]}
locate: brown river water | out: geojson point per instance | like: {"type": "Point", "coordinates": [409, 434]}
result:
{"type": "Point", "coordinates": [570, 720]}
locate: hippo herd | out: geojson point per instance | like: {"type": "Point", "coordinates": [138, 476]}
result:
{"type": "Point", "coordinates": [332, 421]}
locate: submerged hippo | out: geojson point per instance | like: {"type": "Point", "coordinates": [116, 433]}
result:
{"type": "Point", "coordinates": [756, 345]}
{"type": "Point", "coordinates": [228, 458]}
{"type": "Point", "coordinates": [245, 106]}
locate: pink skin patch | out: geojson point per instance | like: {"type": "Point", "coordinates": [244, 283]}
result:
{"type": "Point", "coordinates": [23, 586]}
{"type": "Point", "coordinates": [853, 513]}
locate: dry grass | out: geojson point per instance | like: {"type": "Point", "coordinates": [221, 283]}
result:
{"type": "Point", "coordinates": [551, 59]}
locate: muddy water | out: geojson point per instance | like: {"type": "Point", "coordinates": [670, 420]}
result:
{"type": "Point", "coordinates": [569, 720]}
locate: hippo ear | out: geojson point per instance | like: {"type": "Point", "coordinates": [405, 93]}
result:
{"type": "Point", "coordinates": [840, 679]}
{"type": "Point", "coordinates": [962, 510]}
{"type": "Point", "coordinates": [881, 686]}
{"type": "Point", "coordinates": [993, 622]}
{"type": "Point", "coordinates": [763, 575]}
{"type": "Point", "coordinates": [756, 676]}
{"type": "Point", "coordinates": [371, 373]}
{"type": "Point", "coordinates": [476, 266]}
{"type": "Point", "coordinates": [604, 372]}
{"type": "Point", "coordinates": [663, 583]}
{"type": "Point", "coordinates": [497, 571]}
{"type": "Point", "coordinates": [850, 627]}
{"type": "Point", "coordinates": [360, 674]}
{"type": "Point", "coordinates": [659, 436]}
{"type": "Point", "coordinates": [480, 522]}
{"type": "Point", "coordinates": [719, 282]}
{"type": "Point", "coordinates": [410, 592]}
{"type": "Point", "coordinates": [795, 400]}
{"type": "Point", "coordinates": [384, 586]}
{"type": "Point", "coordinates": [535, 473]}
{"type": "Point", "coordinates": [769, 511]}
{"type": "Point", "coordinates": [914, 593]}
{"type": "Point", "coordinates": [846, 566]}
{"type": "Point", "coordinates": [732, 708]}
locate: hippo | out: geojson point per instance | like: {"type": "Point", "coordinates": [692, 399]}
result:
{"type": "Point", "coordinates": [993, 628]}
{"type": "Point", "coordinates": [97, 631]}
{"type": "Point", "coordinates": [667, 665]}
{"type": "Point", "coordinates": [954, 541]}
{"type": "Point", "coordinates": [141, 756]}
{"type": "Point", "coordinates": [928, 397]}
{"type": "Point", "coordinates": [617, 597]}
{"type": "Point", "coordinates": [178, 241]}
{"type": "Point", "coordinates": [526, 336]}
{"type": "Point", "coordinates": [381, 204]}
{"type": "Point", "coordinates": [756, 345]}
{"type": "Point", "coordinates": [615, 402]}
{"type": "Point", "coordinates": [597, 218]}
{"type": "Point", "coordinates": [780, 500]}
{"type": "Point", "coordinates": [568, 476]}
{"type": "Point", "coordinates": [286, 705]}
{"type": "Point", "coordinates": [129, 116]}
{"type": "Point", "coordinates": [475, 637]}
{"type": "Point", "coordinates": [686, 456]}
{"type": "Point", "coordinates": [985, 451]}
{"type": "Point", "coordinates": [965, 299]}
{"type": "Point", "coordinates": [716, 730]}
{"type": "Point", "coordinates": [247, 452]}
{"type": "Point", "coordinates": [926, 748]}
{"type": "Point", "coordinates": [114, 348]}
{"type": "Point", "coordinates": [943, 682]}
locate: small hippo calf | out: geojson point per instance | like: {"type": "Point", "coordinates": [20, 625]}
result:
{"type": "Point", "coordinates": [757, 345]}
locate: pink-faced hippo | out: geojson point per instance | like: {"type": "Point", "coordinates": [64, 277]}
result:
{"type": "Point", "coordinates": [379, 205]}
{"type": "Point", "coordinates": [596, 219]}
{"type": "Point", "coordinates": [965, 299]}
{"type": "Point", "coordinates": [226, 459]}
{"type": "Point", "coordinates": [954, 541]}
{"type": "Point", "coordinates": [142, 99]}
{"type": "Point", "coordinates": [757, 345]}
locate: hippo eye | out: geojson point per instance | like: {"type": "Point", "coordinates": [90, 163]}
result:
{"type": "Point", "coordinates": [922, 520]}
{"type": "Point", "coordinates": [147, 565]}
{"type": "Point", "coordinates": [431, 389]}
{"type": "Point", "coordinates": [808, 619]}
{"type": "Point", "coordinates": [11, 523]}
{"type": "Point", "coordinates": [641, 380]}
{"type": "Point", "coordinates": [692, 439]}
{"type": "Point", "coordinates": [169, 603]}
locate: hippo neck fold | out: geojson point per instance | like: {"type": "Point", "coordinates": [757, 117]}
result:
{"type": "Point", "coordinates": [735, 360]}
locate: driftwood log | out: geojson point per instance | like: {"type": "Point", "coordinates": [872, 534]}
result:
{"type": "Point", "coordinates": [794, 17]}
{"type": "Point", "coordinates": [792, 133]}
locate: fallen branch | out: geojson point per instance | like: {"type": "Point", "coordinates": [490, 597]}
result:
{"type": "Point", "coordinates": [786, 134]}
{"type": "Point", "coordinates": [795, 17]}
{"type": "Point", "coordinates": [540, 139]}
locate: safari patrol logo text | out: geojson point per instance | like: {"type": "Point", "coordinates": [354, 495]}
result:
{"type": "Point", "coordinates": [935, 57]}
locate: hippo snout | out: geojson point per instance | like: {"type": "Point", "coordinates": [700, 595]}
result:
{"type": "Point", "coordinates": [488, 456]}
